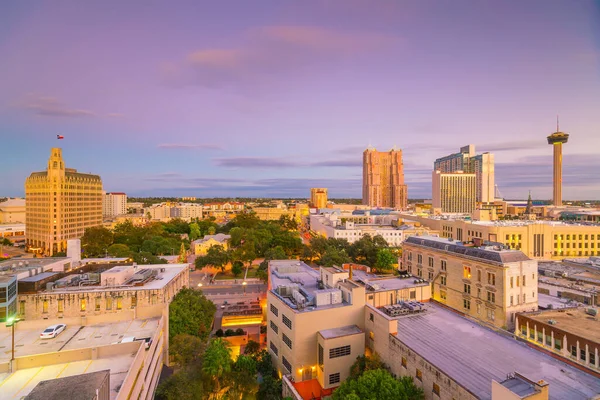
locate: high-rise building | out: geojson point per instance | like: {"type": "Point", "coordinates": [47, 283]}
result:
{"type": "Point", "coordinates": [60, 204]}
{"type": "Point", "coordinates": [482, 165]}
{"type": "Point", "coordinates": [114, 204]}
{"type": "Point", "coordinates": [453, 192]}
{"type": "Point", "coordinates": [556, 140]}
{"type": "Point", "coordinates": [318, 197]}
{"type": "Point", "coordinates": [383, 179]}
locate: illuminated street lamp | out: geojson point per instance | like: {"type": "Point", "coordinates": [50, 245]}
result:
{"type": "Point", "coordinates": [200, 285]}
{"type": "Point", "coordinates": [244, 285]}
{"type": "Point", "coordinates": [11, 322]}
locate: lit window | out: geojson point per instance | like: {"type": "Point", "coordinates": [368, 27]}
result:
{"type": "Point", "coordinates": [467, 272]}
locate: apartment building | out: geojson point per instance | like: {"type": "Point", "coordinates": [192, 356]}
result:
{"type": "Point", "coordinates": [61, 204]}
{"type": "Point", "coordinates": [486, 283]}
{"type": "Point", "coordinates": [537, 239]}
{"type": "Point", "coordinates": [114, 204]}
{"type": "Point", "coordinates": [569, 333]}
{"type": "Point", "coordinates": [453, 192]}
{"type": "Point", "coordinates": [452, 357]}
{"type": "Point", "coordinates": [383, 179]}
{"type": "Point", "coordinates": [314, 324]}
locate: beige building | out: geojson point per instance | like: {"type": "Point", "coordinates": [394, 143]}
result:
{"type": "Point", "coordinates": [451, 357]}
{"type": "Point", "coordinates": [453, 192]}
{"type": "Point", "coordinates": [318, 197]}
{"type": "Point", "coordinates": [485, 283]}
{"type": "Point", "coordinates": [60, 204]}
{"type": "Point", "coordinates": [114, 204]}
{"type": "Point", "coordinates": [314, 321]}
{"type": "Point", "coordinates": [12, 211]}
{"type": "Point", "coordinates": [201, 246]}
{"type": "Point", "coordinates": [537, 239]}
{"type": "Point", "coordinates": [383, 179]}
{"type": "Point", "coordinates": [482, 165]}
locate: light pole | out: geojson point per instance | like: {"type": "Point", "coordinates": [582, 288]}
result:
{"type": "Point", "coordinates": [244, 286]}
{"type": "Point", "coordinates": [10, 323]}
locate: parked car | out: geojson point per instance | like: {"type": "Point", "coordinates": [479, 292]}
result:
{"type": "Point", "coordinates": [147, 341]}
{"type": "Point", "coordinates": [52, 331]}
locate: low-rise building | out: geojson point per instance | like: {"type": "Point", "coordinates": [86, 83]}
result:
{"type": "Point", "coordinates": [570, 333]}
{"type": "Point", "coordinates": [568, 280]}
{"type": "Point", "coordinates": [201, 246]}
{"type": "Point", "coordinates": [14, 232]}
{"type": "Point", "coordinates": [12, 211]}
{"type": "Point", "coordinates": [169, 210]}
{"type": "Point", "coordinates": [488, 283]}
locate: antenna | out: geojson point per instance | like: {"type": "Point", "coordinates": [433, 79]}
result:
{"type": "Point", "coordinates": [557, 130]}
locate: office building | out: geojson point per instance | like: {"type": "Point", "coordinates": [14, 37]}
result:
{"type": "Point", "coordinates": [537, 239]}
{"type": "Point", "coordinates": [318, 197]}
{"type": "Point", "coordinates": [453, 192]}
{"type": "Point", "coordinates": [452, 357]}
{"type": "Point", "coordinates": [12, 211]}
{"type": "Point", "coordinates": [569, 333]}
{"type": "Point", "coordinates": [383, 179]}
{"type": "Point", "coordinates": [482, 165]}
{"type": "Point", "coordinates": [61, 204]}
{"type": "Point", "coordinates": [486, 283]}
{"type": "Point", "coordinates": [556, 140]}
{"type": "Point", "coordinates": [114, 204]}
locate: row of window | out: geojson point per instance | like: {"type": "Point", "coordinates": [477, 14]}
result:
{"type": "Point", "coordinates": [419, 376]}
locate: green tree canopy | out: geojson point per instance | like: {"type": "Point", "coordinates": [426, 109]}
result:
{"type": "Point", "coordinates": [119, 250]}
{"type": "Point", "coordinates": [96, 240]}
{"type": "Point", "coordinates": [216, 256]}
{"type": "Point", "coordinates": [237, 268]}
{"type": "Point", "coordinates": [364, 363]}
{"type": "Point", "coordinates": [378, 384]}
{"type": "Point", "coordinates": [217, 361]}
{"type": "Point", "coordinates": [195, 231]}
{"type": "Point", "coordinates": [385, 259]}
{"type": "Point", "coordinates": [186, 349]}
{"type": "Point", "coordinates": [334, 256]}
{"type": "Point", "coordinates": [190, 313]}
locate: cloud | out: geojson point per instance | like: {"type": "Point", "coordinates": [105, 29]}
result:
{"type": "Point", "coordinates": [512, 145]}
{"type": "Point", "coordinates": [51, 107]}
{"type": "Point", "coordinates": [115, 115]}
{"type": "Point", "coordinates": [270, 50]}
{"type": "Point", "coordinates": [189, 146]}
{"type": "Point", "coordinates": [338, 163]}
{"type": "Point", "coordinates": [255, 162]}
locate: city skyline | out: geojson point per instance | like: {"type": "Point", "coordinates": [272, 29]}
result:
{"type": "Point", "coordinates": [273, 101]}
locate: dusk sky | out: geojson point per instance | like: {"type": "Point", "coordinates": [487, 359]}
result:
{"type": "Point", "coordinates": [270, 98]}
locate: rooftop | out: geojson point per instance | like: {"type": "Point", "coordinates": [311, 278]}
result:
{"type": "Point", "coordinates": [219, 237]}
{"type": "Point", "coordinates": [572, 320]}
{"type": "Point", "coordinates": [340, 332]}
{"type": "Point", "coordinates": [484, 253]}
{"type": "Point", "coordinates": [77, 387]}
{"type": "Point", "coordinates": [473, 355]}
{"type": "Point", "coordinates": [382, 283]}
{"type": "Point", "coordinates": [13, 203]}
{"type": "Point", "coordinates": [519, 386]}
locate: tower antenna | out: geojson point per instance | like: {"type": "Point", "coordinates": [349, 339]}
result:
{"type": "Point", "coordinates": [557, 130]}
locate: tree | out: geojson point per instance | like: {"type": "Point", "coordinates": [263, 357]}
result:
{"type": "Point", "coordinates": [217, 361]}
{"type": "Point", "coordinates": [288, 222]}
{"type": "Point", "coordinates": [186, 349]}
{"type": "Point", "coordinates": [187, 384]}
{"type": "Point", "coordinates": [364, 363]}
{"type": "Point", "coordinates": [333, 257]}
{"type": "Point", "coordinates": [191, 313]}
{"type": "Point", "coordinates": [252, 348]}
{"type": "Point", "coordinates": [243, 378]}
{"type": "Point", "coordinates": [270, 388]}
{"type": "Point", "coordinates": [119, 250]}
{"type": "Point", "coordinates": [276, 253]}
{"type": "Point", "coordinates": [378, 384]}
{"type": "Point", "coordinates": [6, 242]}
{"type": "Point", "coordinates": [237, 268]}
{"type": "Point", "coordinates": [385, 260]}
{"type": "Point", "coordinates": [195, 232]}
{"type": "Point", "coordinates": [216, 256]}
{"type": "Point", "coordinates": [96, 240]}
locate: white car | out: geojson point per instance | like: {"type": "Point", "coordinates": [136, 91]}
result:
{"type": "Point", "coordinates": [52, 331]}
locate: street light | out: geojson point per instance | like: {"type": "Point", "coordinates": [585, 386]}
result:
{"type": "Point", "coordinates": [11, 322]}
{"type": "Point", "coordinates": [244, 285]}
{"type": "Point", "coordinates": [200, 285]}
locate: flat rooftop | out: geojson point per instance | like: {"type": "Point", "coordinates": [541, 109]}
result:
{"type": "Point", "coordinates": [484, 253]}
{"type": "Point", "coordinates": [77, 387]}
{"type": "Point", "coordinates": [571, 320]}
{"type": "Point", "coordinates": [473, 355]}
{"type": "Point", "coordinates": [26, 263]}
{"type": "Point", "coordinates": [340, 332]}
{"type": "Point", "coordinates": [377, 283]}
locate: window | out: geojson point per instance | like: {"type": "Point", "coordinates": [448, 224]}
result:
{"type": "Point", "coordinates": [419, 375]}
{"type": "Point", "coordinates": [410, 256]}
{"type": "Point", "coordinates": [443, 265]}
{"type": "Point", "coordinates": [334, 378]}
{"type": "Point", "coordinates": [436, 389]}
{"type": "Point", "coordinates": [491, 314]}
{"type": "Point", "coordinates": [443, 294]}
{"type": "Point", "coordinates": [511, 282]}
{"type": "Point", "coordinates": [467, 272]}
{"type": "Point", "coordinates": [119, 303]}
{"type": "Point", "coordinates": [430, 276]}
{"type": "Point", "coordinates": [491, 279]}
{"type": "Point", "coordinates": [109, 303]}
{"type": "Point", "coordinates": [524, 299]}
{"type": "Point", "coordinates": [419, 259]}
{"type": "Point", "coordinates": [286, 364]}
{"type": "Point", "coordinates": [321, 357]}
{"type": "Point", "coordinates": [491, 297]}
{"type": "Point", "coordinates": [287, 322]}
{"type": "Point", "coordinates": [583, 354]}
{"type": "Point", "coordinates": [467, 288]}
{"type": "Point", "coordinates": [574, 351]}
{"type": "Point", "coordinates": [467, 304]}
{"type": "Point", "coordinates": [97, 303]}
{"type": "Point", "coordinates": [558, 345]}
{"type": "Point", "coordinates": [22, 307]}
{"type": "Point", "coordinates": [404, 362]}
{"type": "Point", "coordinates": [45, 307]}
{"type": "Point", "coordinates": [339, 352]}
{"type": "Point", "coordinates": [443, 280]}
{"type": "Point", "coordinates": [478, 275]}
{"type": "Point", "coordinates": [287, 341]}
{"type": "Point", "coordinates": [412, 294]}
{"type": "Point", "coordinates": [370, 316]}
{"type": "Point", "coordinates": [431, 262]}
{"type": "Point", "coordinates": [274, 348]}
{"type": "Point", "coordinates": [82, 304]}
{"type": "Point", "coordinates": [592, 358]}
{"type": "Point", "coordinates": [511, 300]}
{"type": "Point", "coordinates": [523, 280]}
{"type": "Point", "coordinates": [61, 306]}
{"type": "Point", "coordinates": [134, 301]}
{"type": "Point", "coordinates": [274, 327]}
{"type": "Point", "coordinates": [518, 281]}
{"type": "Point", "coordinates": [274, 310]}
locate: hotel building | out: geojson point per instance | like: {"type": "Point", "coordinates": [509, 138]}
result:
{"type": "Point", "coordinates": [453, 192]}
{"type": "Point", "coordinates": [383, 179]}
{"type": "Point", "coordinates": [318, 197]}
{"type": "Point", "coordinates": [114, 204]}
{"type": "Point", "coordinates": [485, 283]}
{"type": "Point", "coordinates": [482, 165]}
{"type": "Point", "coordinates": [61, 204]}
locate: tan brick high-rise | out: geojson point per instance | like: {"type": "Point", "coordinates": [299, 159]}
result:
{"type": "Point", "coordinates": [383, 179]}
{"type": "Point", "coordinates": [60, 204]}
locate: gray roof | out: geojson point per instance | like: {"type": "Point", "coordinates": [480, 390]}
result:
{"type": "Point", "coordinates": [219, 237]}
{"type": "Point", "coordinates": [489, 255]}
{"type": "Point", "coordinates": [77, 387]}
{"type": "Point", "coordinates": [473, 355]}
{"type": "Point", "coordinates": [38, 277]}
{"type": "Point", "coordinates": [340, 332]}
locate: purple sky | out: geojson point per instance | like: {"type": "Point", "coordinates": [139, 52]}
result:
{"type": "Point", "coordinates": [269, 98]}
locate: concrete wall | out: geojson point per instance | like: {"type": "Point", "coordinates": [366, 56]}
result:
{"type": "Point", "coordinates": [342, 364]}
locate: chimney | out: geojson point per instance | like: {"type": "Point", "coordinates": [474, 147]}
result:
{"type": "Point", "coordinates": [350, 271]}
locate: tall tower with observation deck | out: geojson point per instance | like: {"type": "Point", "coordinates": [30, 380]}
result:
{"type": "Point", "coordinates": [556, 140]}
